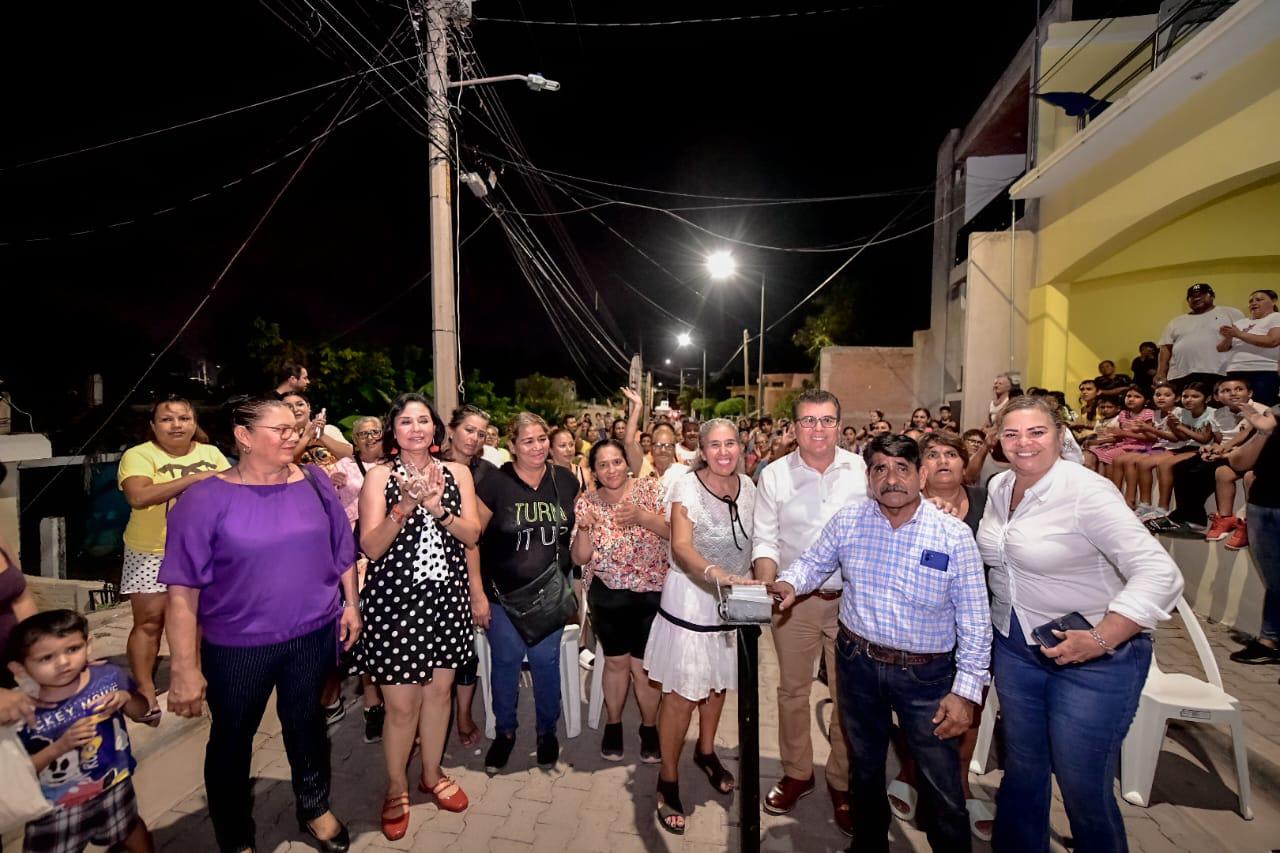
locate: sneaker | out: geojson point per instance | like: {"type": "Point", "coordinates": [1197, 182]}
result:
{"type": "Point", "coordinates": [499, 753]}
{"type": "Point", "coordinates": [1220, 527]}
{"type": "Point", "coordinates": [548, 750]}
{"type": "Point", "coordinates": [373, 719]}
{"type": "Point", "coordinates": [1163, 525]}
{"type": "Point", "coordinates": [335, 712]}
{"type": "Point", "coordinates": [650, 748]}
{"type": "Point", "coordinates": [587, 659]}
{"type": "Point", "coordinates": [1239, 538]}
{"type": "Point", "coordinates": [610, 744]}
{"type": "Point", "coordinates": [1256, 653]}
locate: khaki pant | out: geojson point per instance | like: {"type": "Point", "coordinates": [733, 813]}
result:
{"type": "Point", "coordinates": [809, 627]}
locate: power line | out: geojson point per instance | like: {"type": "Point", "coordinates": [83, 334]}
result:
{"type": "Point", "coordinates": [226, 269]}
{"type": "Point", "coordinates": [729, 19]}
{"type": "Point", "coordinates": [191, 122]}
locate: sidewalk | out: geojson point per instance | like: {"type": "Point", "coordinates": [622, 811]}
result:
{"type": "Point", "coordinates": [590, 804]}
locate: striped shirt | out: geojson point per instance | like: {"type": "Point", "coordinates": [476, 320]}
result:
{"type": "Point", "coordinates": [919, 588]}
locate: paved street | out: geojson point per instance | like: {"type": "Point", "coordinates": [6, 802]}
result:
{"type": "Point", "coordinates": [589, 804]}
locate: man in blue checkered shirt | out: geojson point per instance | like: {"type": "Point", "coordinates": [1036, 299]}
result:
{"type": "Point", "coordinates": [915, 640]}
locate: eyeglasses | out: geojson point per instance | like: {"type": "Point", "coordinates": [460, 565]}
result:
{"type": "Point", "coordinates": [663, 446]}
{"type": "Point", "coordinates": [369, 433]}
{"type": "Point", "coordinates": [811, 421]}
{"type": "Point", "coordinates": [285, 431]}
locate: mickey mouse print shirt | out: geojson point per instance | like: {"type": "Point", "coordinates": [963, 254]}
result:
{"type": "Point", "coordinates": [81, 774]}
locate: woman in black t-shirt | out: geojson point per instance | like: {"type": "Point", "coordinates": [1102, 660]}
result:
{"type": "Point", "coordinates": [526, 513]}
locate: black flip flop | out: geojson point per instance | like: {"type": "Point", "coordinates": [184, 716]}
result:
{"type": "Point", "coordinates": [716, 774]}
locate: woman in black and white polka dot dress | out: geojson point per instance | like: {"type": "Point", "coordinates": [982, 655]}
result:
{"type": "Point", "coordinates": [417, 515]}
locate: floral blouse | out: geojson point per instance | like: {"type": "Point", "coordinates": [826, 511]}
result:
{"type": "Point", "coordinates": [626, 557]}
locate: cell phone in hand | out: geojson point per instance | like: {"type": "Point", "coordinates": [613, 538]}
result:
{"type": "Point", "coordinates": [1073, 621]}
{"type": "Point", "coordinates": [320, 429]}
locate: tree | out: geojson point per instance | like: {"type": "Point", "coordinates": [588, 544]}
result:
{"type": "Point", "coordinates": [835, 322]}
{"type": "Point", "coordinates": [731, 408]}
{"type": "Point", "coordinates": [550, 397]}
{"type": "Point", "coordinates": [479, 393]}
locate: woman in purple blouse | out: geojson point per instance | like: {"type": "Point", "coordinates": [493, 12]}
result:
{"type": "Point", "coordinates": [259, 562]}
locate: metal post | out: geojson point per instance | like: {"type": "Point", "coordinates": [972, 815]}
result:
{"type": "Point", "coordinates": [444, 330]}
{"type": "Point", "coordinates": [760, 369]}
{"type": "Point", "coordinates": [748, 739]}
{"type": "Point", "coordinates": [704, 374]}
{"type": "Point", "coordinates": [746, 368]}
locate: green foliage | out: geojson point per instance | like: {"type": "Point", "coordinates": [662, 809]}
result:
{"type": "Point", "coordinates": [836, 321]}
{"type": "Point", "coordinates": [480, 393]}
{"type": "Point", "coordinates": [701, 406]}
{"type": "Point", "coordinates": [548, 396]}
{"type": "Point", "coordinates": [731, 408]}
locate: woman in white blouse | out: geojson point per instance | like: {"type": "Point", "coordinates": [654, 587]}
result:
{"type": "Point", "coordinates": [1060, 540]}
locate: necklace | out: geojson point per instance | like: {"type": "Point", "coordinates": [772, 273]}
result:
{"type": "Point", "coordinates": [288, 469]}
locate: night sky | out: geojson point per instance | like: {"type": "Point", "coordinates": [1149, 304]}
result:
{"type": "Point", "coordinates": [835, 104]}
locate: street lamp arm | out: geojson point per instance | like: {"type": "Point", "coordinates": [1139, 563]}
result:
{"type": "Point", "coordinates": [536, 82]}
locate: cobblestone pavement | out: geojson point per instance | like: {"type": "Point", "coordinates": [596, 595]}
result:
{"type": "Point", "coordinates": [589, 804]}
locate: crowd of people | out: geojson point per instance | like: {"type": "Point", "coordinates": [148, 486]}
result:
{"type": "Point", "coordinates": [908, 564]}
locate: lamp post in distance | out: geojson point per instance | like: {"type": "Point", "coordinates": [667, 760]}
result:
{"type": "Point", "coordinates": [684, 339]}
{"type": "Point", "coordinates": [721, 265]}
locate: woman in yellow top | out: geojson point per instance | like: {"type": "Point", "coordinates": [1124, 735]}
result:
{"type": "Point", "coordinates": [152, 475]}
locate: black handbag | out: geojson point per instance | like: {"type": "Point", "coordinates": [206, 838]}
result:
{"type": "Point", "coordinates": [545, 604]}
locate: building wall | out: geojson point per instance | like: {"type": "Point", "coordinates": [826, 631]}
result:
{"type": "Point", "coordinates": [13, 449]}
{"type": "Point", "coordinates": [867, 378]}
{"type": "Point", "coordinates": [997, 285]}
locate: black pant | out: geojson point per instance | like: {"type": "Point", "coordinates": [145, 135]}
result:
{"type": "Point", "coordinates": [1193, 483]}
{"type": "Point", "coordinates": [240, 681]}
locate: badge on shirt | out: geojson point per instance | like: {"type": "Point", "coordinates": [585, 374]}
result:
{"type": "Point", "coordinates": [935, 560]}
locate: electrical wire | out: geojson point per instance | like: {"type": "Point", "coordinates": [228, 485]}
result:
{"type": "Point", "coordinates": [728, 19]}
{"type": "Point", "coordinates": [198, 197]}
{"type": "Point", "coordinates": [190, 122]}
{"type": "Point", "coordinates": [221, 276]}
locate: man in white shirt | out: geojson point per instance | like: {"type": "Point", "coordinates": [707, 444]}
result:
{"type": "Point", "coordinates": [797, 495]}
{"type": "Point", "coordinates": [1189, 345]}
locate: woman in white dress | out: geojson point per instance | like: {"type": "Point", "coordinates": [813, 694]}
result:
{"type": "Point", "coordinates": [691, 653]}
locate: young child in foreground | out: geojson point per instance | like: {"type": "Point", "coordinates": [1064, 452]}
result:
{"type": "Point", "coordinates": [78, 744]}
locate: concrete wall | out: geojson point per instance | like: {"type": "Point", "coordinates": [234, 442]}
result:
{"type": "Point", "coordinates": [13, 449]}
{"type": "Point", "coordinates": [996, 314]}
{"type": "Point", "coordinates": [870, 378]}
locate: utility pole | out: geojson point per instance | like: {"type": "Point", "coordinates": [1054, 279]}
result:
{"type": "Point", "coordinates": [444, 318]}
{"type": "Point", "coordinates": [760, 370]}
{"type": "Point", "coordinates": [746, 379]}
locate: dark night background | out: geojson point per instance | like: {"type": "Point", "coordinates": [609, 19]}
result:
{"type": "Point", "coordinates": [853, 102]}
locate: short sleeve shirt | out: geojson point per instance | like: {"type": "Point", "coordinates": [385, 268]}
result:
{"type": "Point", "coordinates": [1251, 357]}
{"type": "Point", "coordinates": [1194, 339]}
{"type": "Point", "coordinates": [626, 557]}
{"type": "Point", "coordinates": [521, 538]}
{"type": "Point", "coordinates": [146, 529]}
{"type": "Point", "coordinates": [81, 774]}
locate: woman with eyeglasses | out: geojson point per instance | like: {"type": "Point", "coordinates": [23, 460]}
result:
{"type": "Point", "coordinates": [691, 653]}
{"type": "Point", "coordinates": [260, 565]}
{"type": "Point", "coordinates": [417, 517]}
{"type": "Point", "coordinates": [153, 475]}
{"type": "Point", "coordinates": [319, 442]}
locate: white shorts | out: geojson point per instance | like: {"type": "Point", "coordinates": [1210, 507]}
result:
{"type": "Point", "coordinates": [140, 572]}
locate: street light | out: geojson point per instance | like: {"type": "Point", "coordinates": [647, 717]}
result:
{"type": "Point", "coordinates": [684, 339]}
{"type": "Point", "coordinates": [721, 266]}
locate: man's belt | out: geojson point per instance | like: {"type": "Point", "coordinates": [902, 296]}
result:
{"type": "Point", "coordinates": [884, 654]}
{"type": "Point", "coordinates": [825, 595]}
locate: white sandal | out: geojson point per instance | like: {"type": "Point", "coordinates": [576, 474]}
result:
{"type": "Point", "coordinates": [979, 811]}
{"type": "Point", "coordinates": [901, 791]}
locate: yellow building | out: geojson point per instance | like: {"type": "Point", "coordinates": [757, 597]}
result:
{"type": "Point", "coordinates": [1177, 181]}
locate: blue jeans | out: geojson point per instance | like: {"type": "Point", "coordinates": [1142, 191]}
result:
{"type": "Point", "coordinates": [1264, 542]}
{"type": "Point", "coordinates": [508, 651]}
{"type": "Point", "coordinates": [869, 692]}
{"type": "Point", "coordinates": [1068, 721]}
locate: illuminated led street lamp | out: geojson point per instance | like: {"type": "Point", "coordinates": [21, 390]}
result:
{"type": "Point", "coordinates": [684, 339]}
{"type": "Point", "coordinates": [721, 265]}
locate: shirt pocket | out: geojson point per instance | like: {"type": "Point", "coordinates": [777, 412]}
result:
{"type": "Point", "coordinates": [926, 587]}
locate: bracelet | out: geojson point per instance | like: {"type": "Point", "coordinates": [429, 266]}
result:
{"type": "Point", "coordinates": [347, 604]}
{"type": "Point", "coordinates": [1097, 638]}
{"type": "Point", "coordinates": [445, 519]}
{"type": "Point", "coordinates": [397, 516]}
{"type": "Point", "coordinates": [706, 569]}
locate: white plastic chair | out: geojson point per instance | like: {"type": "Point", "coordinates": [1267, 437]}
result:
{"type": "Point", "coordinates": [570, 682]}
{"type": "Point", "coordinates": [596, 701]}
{"type": "Point", "coordinates": [986, 729]}
{"type": "Point", "coordinates": [1169, 695]}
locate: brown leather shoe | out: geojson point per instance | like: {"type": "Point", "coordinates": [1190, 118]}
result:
{"type": "Point", "coordinates": [840, 810]}
{"type": "Point", "coordinates": [783, 795]}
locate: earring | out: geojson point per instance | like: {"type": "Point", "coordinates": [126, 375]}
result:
{"type": "Point", "coordinates": [245, 450]}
